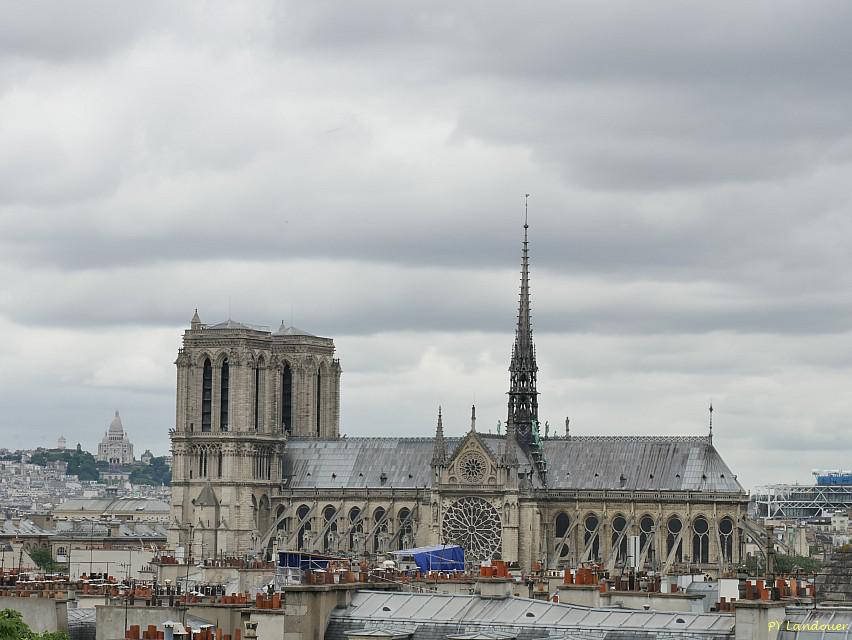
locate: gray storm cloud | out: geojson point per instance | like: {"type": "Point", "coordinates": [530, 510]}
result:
{"type": "Point", "coordinates": [359, 168]}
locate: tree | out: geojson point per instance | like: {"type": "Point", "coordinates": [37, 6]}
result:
{"type": "Point", "coordinates": [156, 473]}
{"type": "Point", "coordinates": [45, 561]}
{"type": "Point", "coordinates": [78, 462]}
{"type": "Point", "coordinates": [13, 627]}
{"type": "Point", "coordinates": [756, 565]}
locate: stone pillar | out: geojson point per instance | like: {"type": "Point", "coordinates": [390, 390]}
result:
{"type": "Point", "coordinates": [605, 537]}
{"type": "Point", "coordinates": [180, 400]}
{"type": "Point", "coordinates": [263, 391]}
{"type": "Point", "coordinates": [301, 401]}
{"type": "Point", "coordinates": [334, 400]}
{"type": "Point", "coordinates": [306, 403]}
{"type": "Point", "coordinates": [237, 396]}
{"type": "Point", "coordinates": [273, 400]}
{"type": "Point", "coordinates": [214, 398]}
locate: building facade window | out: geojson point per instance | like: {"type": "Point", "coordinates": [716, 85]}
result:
{"type": "Point", "coordinates": [591, 539]}
{"type": "Point", "coordinates": [562, 524]}
{"type": "Point", "coordinates": [318, 406]}
{"type": "Point", "coordinates": [646, 537]}
{"type": "Point", "coordinates": [356, 529]}
{"type": "Point", "coordinates": [405, 529]}
{"type": "Point", "coordinates": [223, 396]}
{"type": "Point", "coordinates": [619, 547]}
{"type": "Point", "coordinates": [329, 542]}
{"type": "Point", "coordinates": [257, 403]}
{"type": "Point", "coordinates": [206, 395]}
{"type": "Point", "coordinates": [673, 541]}
{"type": "Point", "coordinates": [287, 399]}
{"type": "Point", "coordinates": [700, 540]}
{"type": "Point", "coordinates": [380, 526]}
{"type": "Point", "coordinates": [202, 464]}
{"type": "Point", "coordinates": [726, 538]}
{"type": "Point", "coordinates": [304, 527]}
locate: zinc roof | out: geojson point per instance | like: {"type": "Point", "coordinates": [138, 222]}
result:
{"type": "Point", "coordinates": [113, 505]}
{"type": "Point", "coordinates": [373, 606]}
{"type": "Point", "coordinates": [631, 463]}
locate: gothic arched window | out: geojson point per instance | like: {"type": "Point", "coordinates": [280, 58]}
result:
{"type": "Point", "coordinates": [563, 522]}
{"type": "Point", "coordinates": [674, 526]}
{"type": "Point", "coordinates": [206, 395]}
{"type": "Point", "coordinates": [223, 396]}
{"type": "Point", "coordinates": [646, 536]}
{"type": "Point", "coordinates": [406, 531]}
{"type": "Point", "coordinates": [380, 527]}
{"type": "Point", "coordinates": [318, 401]}
{"type": "Point", "coordinates": [287, 399]}
{"type": "Point", "coordinates": [257, 404]}
{"type": "Point", "coordinates": [700, 540]}
{"type": "Point", "coordinates": [619, 524]}
{"type": "Point", "coordinates": [301, 514]}
{"type": "Point", "coordinates": [220, 465]}
{"type": "Point", "coordinates": [591, 538]}
{"type": "Point", "coordinates": [330, 526]}
{"type": "Point", "coordinates": [356, 528]}
{"type": "Point", "coordinates": [726, 538]}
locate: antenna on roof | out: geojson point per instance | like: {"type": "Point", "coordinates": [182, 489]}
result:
{"type": "Point", "coordinates": [711, 422]}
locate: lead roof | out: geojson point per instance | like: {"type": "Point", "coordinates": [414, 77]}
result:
{"type": "Point", "coordinates": [629, 463]}
{"type": "Point", "coordinates": [373, 607]}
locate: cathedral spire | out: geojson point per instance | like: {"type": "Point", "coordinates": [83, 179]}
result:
{"type": "Point", "coordinates": [523, 396]}
{"type": "Point", "coordinates": [439, 449]}
{"type": "Point", "coordinates": [473, 417]}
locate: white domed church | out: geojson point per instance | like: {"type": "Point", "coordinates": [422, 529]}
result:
{"type": "Point", "coordinates": [115, 448]}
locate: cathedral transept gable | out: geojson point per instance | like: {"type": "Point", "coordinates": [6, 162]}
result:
{"type": "Point", "coordinates": [472, 462]}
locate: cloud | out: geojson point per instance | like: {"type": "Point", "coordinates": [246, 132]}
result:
{"type": "Point", "coordinates": [361, 169]}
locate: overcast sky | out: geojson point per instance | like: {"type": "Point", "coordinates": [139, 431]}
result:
{"type": "Point", "coordinates": [359, 168]}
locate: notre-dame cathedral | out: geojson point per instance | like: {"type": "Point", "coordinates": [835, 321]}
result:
{"type": "Point", "coordinates": [259, 464]}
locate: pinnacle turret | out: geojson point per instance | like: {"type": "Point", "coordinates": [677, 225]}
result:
{"type": "Point", "coordinates": [439, 449]}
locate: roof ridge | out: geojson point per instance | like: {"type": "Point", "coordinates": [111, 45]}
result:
{"type": "Point", "coordinates": [632, 438]}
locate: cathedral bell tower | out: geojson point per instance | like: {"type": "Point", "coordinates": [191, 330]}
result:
{"type": "Point", "coordinates": [523, 397]}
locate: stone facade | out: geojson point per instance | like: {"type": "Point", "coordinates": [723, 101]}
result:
{"type": "Point", "coordinates": [241, 392]}
{"type": "Point", "coordinates": [259, 465]}
{"type": "Point", "coordinates": [115, 447]}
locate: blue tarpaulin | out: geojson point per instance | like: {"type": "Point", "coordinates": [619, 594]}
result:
{"type": "Point", "coordinates": [437, 558]}
{"type": "Point", "coordinates": [303, 561]}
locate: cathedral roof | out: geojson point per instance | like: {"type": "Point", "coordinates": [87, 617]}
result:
{"type": "Point", "coordinates": [638, 463]}
{"type": "Point", "coordinates": [631, 463]}
{"type": "Point", "coordinates": [284, 330]}
{"type": "Point", "coordinates": [230, 324]}
{"type": "Point", "coordinates": [115, 426]}
{"type": "Point", "coordinates": [206, 498]}
{"type": "Point", "coordinates": [358, 462]}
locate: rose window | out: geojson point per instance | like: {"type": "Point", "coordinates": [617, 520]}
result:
{"type": "Point", "coordinates": [473, 524]}
{"type": "Point", "coordinates": [473, 467]}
